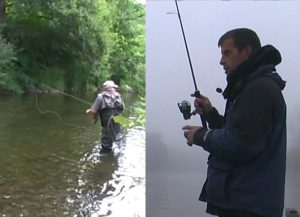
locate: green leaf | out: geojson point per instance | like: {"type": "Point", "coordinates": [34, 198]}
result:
{"type": "Point", "coordinates": [121, 120]}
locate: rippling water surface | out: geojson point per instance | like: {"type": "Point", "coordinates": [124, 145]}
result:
{"type": "Point", "coordinates": [50, 165]}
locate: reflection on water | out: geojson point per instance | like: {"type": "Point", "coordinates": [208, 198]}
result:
{"type": "Point", "coordinates": [124, 192]}
{"type": "Point", "coordinates": [51, 167]}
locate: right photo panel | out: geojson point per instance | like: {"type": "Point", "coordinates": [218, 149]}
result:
{"type": "Point", "coordinates": [222, 96]}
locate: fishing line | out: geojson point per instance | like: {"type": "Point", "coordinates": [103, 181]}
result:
{"type": "Point", "coordinates": [110, 122]}
{"type": "Point", "coordinates": [62, 92]}
{"type": "Point", "coordinates": [27, 78]}
{"type": "Point", "coordinates": [69, 95]}
{"type": "Point", "coordinates": [47, 111]}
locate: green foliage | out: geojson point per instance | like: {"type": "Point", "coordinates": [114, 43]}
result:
{"type": "Point", "coordinates": [127, 55]}
{"type": "Point", "coordinates": [137, 118]}
{"type": "Point", "coordinates": [56, 34]}
{"type": "Point", "coordinates": [8, 84]}
{"type": "Point", "coordinates": [77, 43]}
{"type": "Point", "coordinates": [7, 54]}
{"type": "Point", "coordinates": [8, 79]}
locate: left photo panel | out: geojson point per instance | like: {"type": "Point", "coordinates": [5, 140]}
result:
{"type": "Point", "coordinates": [72, 108]}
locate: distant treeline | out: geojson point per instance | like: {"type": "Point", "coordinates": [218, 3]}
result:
{"type": "Point", "coordinates": [71, 44]}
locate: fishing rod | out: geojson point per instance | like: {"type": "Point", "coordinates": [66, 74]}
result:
{"type": "Point", "coordinates": [184, 106]}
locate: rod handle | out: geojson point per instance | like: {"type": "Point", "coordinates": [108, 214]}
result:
{"type": "Point", "coordinates": [202, 116]}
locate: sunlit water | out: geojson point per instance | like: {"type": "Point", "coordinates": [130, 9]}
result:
{"type": "Point", "coordinates": [50, 165]}
{"type": "Point", "coordinates": [124, 193]}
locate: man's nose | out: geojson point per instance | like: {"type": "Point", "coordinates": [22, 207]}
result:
{"type": "Point", "coordinates": [222, 62]}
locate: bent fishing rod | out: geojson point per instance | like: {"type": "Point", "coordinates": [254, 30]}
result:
{"type": "Point", "coordinates": [184, 106]}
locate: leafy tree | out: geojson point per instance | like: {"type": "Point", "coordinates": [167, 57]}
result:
{"type": "Point", "coordinates": [2, 10]}
{"type": "Point", "coordinates": [8, 77]}
{"type": "Point", "coordinates": [57, 37]}
{"type": "Point", "coordinates": [77, 43]}
{"type": "Point", "coordinates": [127, 54]}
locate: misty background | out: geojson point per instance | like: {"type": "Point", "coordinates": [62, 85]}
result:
{"type": "Point", "coordinates": [176, 172]}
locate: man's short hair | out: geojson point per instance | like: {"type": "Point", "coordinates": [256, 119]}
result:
{"type": "Point", "coordinates": [242, 37]}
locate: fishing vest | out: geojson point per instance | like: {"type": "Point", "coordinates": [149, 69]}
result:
{"type": "Point", "coordinates": [111, 100]}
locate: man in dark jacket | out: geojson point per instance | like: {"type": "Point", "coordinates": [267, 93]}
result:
{"type": "Point", "coordinates": [247, 146]}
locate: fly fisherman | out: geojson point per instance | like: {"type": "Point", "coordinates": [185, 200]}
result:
{"type": "Point", "coordinates": [247, 146]}
{"type": "Point", "coordinates": [107, 104]}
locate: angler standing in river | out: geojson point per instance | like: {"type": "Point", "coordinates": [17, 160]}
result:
{"type": "Point", "coordinates": [107, 104]}
{"type": "Point", "coordinates": [247, 146]}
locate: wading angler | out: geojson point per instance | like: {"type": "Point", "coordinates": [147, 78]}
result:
{"type": "Point", "coordinates": [107, 104]}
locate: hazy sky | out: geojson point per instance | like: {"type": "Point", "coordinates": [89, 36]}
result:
{"type": "Point", "coordinates": [176, 172]}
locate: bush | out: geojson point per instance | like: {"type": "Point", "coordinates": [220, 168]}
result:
{"type": "Point", "coordinates": [8, 71]}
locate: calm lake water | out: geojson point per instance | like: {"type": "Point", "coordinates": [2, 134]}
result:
{"type": "Point", "coordinates": [50, 163]}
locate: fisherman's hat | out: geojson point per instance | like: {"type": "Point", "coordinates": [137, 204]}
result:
{"type": "Point", "coordinates": [109, 84]}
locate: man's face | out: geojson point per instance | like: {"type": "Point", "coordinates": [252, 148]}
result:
{"type": "Point", "coordinates": [231, 56]}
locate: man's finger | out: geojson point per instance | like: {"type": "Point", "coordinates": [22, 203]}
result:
{"type": "Point", "coordinates": [186, 133]}
{"type": "Point", "coordinates": [187, 127]}
{"type": "Point", "coordinates": [189, 142]}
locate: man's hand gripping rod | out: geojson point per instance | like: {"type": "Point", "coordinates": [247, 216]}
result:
{"type": "Point", "coordinates": [196, 93]}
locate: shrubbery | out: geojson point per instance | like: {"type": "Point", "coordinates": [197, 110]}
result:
{"type": "Point", "coordinates": [8, 70]}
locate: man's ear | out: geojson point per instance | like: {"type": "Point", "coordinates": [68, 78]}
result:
{"type": "Point", "coordinates": [247, 52]}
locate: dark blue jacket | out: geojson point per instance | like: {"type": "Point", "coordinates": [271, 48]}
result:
{"type": "Point", "coordinates": [246, 166]}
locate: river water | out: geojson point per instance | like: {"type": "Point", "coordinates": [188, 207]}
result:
{"type": "Point", "coordinates": [50, 163]}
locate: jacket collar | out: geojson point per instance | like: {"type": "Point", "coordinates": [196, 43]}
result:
{"type": "Point", "coordinates": [265, 57]}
